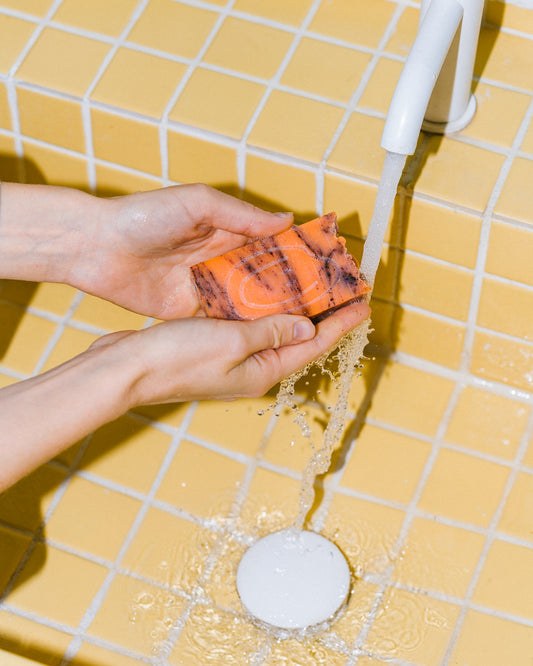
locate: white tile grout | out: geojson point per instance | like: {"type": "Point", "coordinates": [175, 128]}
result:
{"type": "Point", "coordinates": [411, 361]}
{"type": "Point", "coordinates": [491, 537]}
{"type": "Point", "coordinates": [97, 601]}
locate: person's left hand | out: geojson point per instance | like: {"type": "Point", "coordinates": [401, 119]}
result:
{"type": "Point", "coordinates": [143, 244]}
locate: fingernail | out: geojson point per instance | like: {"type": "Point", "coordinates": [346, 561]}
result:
{"type": "Point", "coordinates": [303, 330]}
{"type": "Point", "coordinates": [284, 215]}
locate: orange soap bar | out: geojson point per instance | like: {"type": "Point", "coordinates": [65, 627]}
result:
{"type": "Point", "coordinates": [304, 270]}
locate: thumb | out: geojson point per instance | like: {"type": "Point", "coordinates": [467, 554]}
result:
{"type": "Point", "coordinates": [277, 331]}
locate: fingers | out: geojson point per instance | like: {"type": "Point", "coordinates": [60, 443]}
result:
{"type": "Point", "coordinates": [276, 331]}
{"type": "Point", "coordinates": [289, 358]}
{"type": "Point", "coordinates": [231, 214]}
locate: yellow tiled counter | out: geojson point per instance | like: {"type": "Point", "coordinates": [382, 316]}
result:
{"type": "Point", "coordinates": [133, 536]}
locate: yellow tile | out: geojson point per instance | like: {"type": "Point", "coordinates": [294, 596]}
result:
{"type": "Point", "coordinates": [127, 452]}
{"type": "Point", "coordinates": [427, 337]}
{"type": "Point", "coordinates": [355, 614]}
{"type": "Point", "coordinates": [112, 182]}
{"type": "Point", "coordinates": [217, 102]}
{"type": "Point", "coordinates": [434, 230]}
{"type": "Point", "coordinates": [411, 399]}
{"type": "Point", "coordinates": [32, 640]}
{"type": "Point", "coordinates": [93, 654]}
{"type": "Point", "coordinates": [435, 287]}
{"type": "Point", "coordinates": [492, 641]}
{"type": "Point", "coordinates": [6, 381]}
{"type": "Point", "coordinates": [52, 167]}
{"type": "Point", "coordinates": [24, 504]}
{"type": "Point", "coordinates": [404, 33]}
{"type": "Point", "coordinates": [35, 7]}
{"type": "Point", "coordinates": [354, 204]}
{"type": "Point", "coordinates": [99, 16]}
{"type": "Point", "coordinates": [77, 521]}
{"type": "Point", "coordinates": [173, 27]}
{"type": "Point", "coordinates": [222, 584]}
{"type": "Point", "coordinates": [528, 458]}
{"type": "Point", "coordinates": [70, 344]}
{"type": "Point", "coordinates": [382, 317]}
{"type": "Point", "coordinates": [514, 200]}
{"type": "Point", "coordinates": [527, 144]}
{"type": "Point", "coordinates": [464, 488]}
{"type": "Point", "coordinates": [106, 315]}
{"type": "Point", "coordinates": [296, 126]}
{"type": "Point", "coordinates": [505, 58]}
{"type": "Point", "coordinates": [237, 427]}
{"type": "Point", "coordinates": [400, 460]}
{"type": "Point", "coordinates": [57, 585]}
{"type": "Point", "coordinates": [5, 112]}
{"type": "Point", "coordinates": [292, 652]}
{"type": "Point", "coordinates": [193, 160]}
{"type": "Point", "coordinates": [51, 119]}
{"type": "Point", "coordinates": [498, 115]}
{"type": "Point", "coordinates": [364, 531]}
{"type": "Point", "coordinates": [342, 19]}
{"type": "Point", "coordinates": [503, 360]}
{"type": "Point", "coordinates": [250, 48]}
{"type": "Point", "coordinates": [358, 149]}
{"type": "Point", "coordinates": [378, 92]}
{"type": "Point", "coordinates": [507, 308]}
{"type": "Point", "coordinates": [139, 82]}
{"type": "Point", "coordinates": [271, 504]}
{"type": "Point", "coordinates": [171, 414]}
{"type": "Point", "coordinates": [23, 338]}
{"type": "Point", "coordinates": [458, 172]}
{"type": "Point", "coordinates": [287, 446]}
{"type": "Point", "coordinates": [63, 61]}
{"type": "Point", "coordinates": [509, 252]}
{"type": "Point", "coordinates": [325, 69]}
{"type": "Point", "coordinates": [125, 141]}
{"type": "Point", "coordinates": [412, 627]}
{"type": "Point", "coordinates": [506, 574]}
{"type": "Point", "coordinates": [12, 548]}
{"type": "Point", "coordinates": [135, 615]}
{"type": "Point", "coordinates": [19, 32]}
{"type": "Point", "coordinates": [216, 638]}
{"type": "Point", "coordinates": [53, 297]}
{"type": "Point", "coordinates": [517, 517]}
{"type": "Point", "coordinates": [488, 423]}
{"type": "Point", "coordinates": [274, 186]}
{"type": "Point", "coordinates": [169, 550]}
{"type": "Point", "coordinates": [439, 558]}
{"type": "Point", "coordinates": [9, 163]}
{"type": "Point", "coordinates": [499, 13]}
{"type": "Point", "coordinates": [202, 482]}
{"type": "Point", "coordinates": [292, 13]}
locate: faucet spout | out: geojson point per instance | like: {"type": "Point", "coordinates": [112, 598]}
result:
{"type": "Point", "coordinates": [436, 80]}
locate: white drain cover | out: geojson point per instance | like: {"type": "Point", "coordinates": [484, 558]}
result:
{"type": "Point", "coordinates": [293, 579]}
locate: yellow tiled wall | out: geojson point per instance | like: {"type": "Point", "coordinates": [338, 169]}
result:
{"type": "Point", "coordinates": [282, 103]}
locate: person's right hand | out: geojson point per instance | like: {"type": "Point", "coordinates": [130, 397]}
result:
{"type": "Point", "coordinates": [199, 358]}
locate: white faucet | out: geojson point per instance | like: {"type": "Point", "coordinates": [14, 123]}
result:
{"type": "Point", "coordinates": [434, 89]}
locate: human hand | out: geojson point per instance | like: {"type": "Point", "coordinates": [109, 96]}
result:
{"type": "Point", "coordinates": [199, 358]}
{"type": "Point", "coordinates": [144, 244]}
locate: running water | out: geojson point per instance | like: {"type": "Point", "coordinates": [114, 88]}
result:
{"type": "Point", "coordinates": [349, 351]}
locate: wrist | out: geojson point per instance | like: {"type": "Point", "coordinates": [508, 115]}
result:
{"type": "Point", "coordinates": [45, 231]}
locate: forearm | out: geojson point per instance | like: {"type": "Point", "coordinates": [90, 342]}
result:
{"type": "Point", "coordinates": [42, 416]}
{"type": "Point", "coordinates": [44, 231]}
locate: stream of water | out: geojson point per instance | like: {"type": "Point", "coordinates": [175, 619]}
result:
{"type": "Point", "coordinates": [349, 351]}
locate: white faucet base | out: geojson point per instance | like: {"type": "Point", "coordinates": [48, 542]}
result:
{"type": "Point", "coordinates": [453, 125]}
